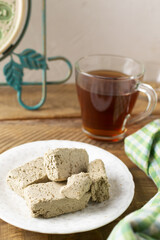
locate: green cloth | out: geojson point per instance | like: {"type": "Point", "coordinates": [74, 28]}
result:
{"type": "Point", "coordinates": [143, 148]}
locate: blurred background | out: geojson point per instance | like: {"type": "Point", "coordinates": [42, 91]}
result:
{"type": "Point", "coordinates": [76, 28]}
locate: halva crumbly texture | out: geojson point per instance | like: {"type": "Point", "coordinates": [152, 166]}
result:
{"type": "Point", "coordinates": [23, 176]}
{"type": "Point", "coordinates": [77, 186]}
{"type": "Point", "coordinates": [61, 163]}
{"type": "Point", "coordinates": [49, 199]}
{"type": "Point", "coordinates": [100, 186]}
{"type": "Point", "coordinates": [45, 200]}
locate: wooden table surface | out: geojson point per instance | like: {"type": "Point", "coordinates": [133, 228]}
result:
{"type": "Point", "coordinates": [60, 118]}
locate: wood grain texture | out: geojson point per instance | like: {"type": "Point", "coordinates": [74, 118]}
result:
{"type": "Point", "coordinates": [61, 102]}
{"type": "Point", "coordinates": [14, 133]}
{"type": "Point", "coordinates": [44, 125]}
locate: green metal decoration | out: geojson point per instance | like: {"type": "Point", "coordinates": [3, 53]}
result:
{"type": "Point", "coordinates": [28, 58]}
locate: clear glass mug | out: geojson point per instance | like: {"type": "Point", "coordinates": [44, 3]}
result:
{"type": "Point", "coordinates": [108, 87]}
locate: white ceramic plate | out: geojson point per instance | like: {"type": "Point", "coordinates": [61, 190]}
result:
{"type": "Point", "coordinates": [13, 208]}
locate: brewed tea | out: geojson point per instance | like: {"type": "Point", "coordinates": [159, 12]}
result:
{"type": "Point", "coordinates": [105, 105]}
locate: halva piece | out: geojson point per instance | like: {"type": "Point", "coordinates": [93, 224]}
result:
{"type": "Point", "coordinates": [45, 200]}
{"type": "Point", "coordinates": [100, 186]}
{"type": "Point", "coordinates": [61, 163]}
{"type": "Point", "coordinates": [29, 173]}
{"type": "Point", "coordinates": [77, 186]}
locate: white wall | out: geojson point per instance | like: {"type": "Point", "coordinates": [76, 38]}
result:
{"type": "Point", "coordinates": [81, 27]}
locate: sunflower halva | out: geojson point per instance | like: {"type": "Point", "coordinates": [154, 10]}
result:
{"type": "Point", "coordinates": [62, 182]}
{"type": "Point", "coordinates": [27, 174]}
{"type": "Point", "coordinates": [45, 200]}
{"type": "Point", "coordinates": [62, 163]}
{"type": "Point", "coordinates": [100, 186]}
{"type": "Point", "coordinates": [77, 186]}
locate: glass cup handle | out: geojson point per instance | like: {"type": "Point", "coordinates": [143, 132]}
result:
{"type": "Point", "coordinates": [152, 100]}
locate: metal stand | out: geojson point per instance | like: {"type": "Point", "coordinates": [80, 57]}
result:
{"type": "Point", "coordinates": [32, 60]}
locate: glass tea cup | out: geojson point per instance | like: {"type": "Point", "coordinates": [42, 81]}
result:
{"type": "Point", "coordinates": [108, 87]}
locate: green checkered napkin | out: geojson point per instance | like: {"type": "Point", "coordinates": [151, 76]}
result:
{"type": "Point", "coordinates": [143, 148]}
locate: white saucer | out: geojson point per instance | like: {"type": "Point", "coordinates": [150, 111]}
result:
{"type": "Point", "coordinates": [13, 208]}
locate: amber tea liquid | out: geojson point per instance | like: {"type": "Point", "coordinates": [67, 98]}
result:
{"type": "Point", "coordinates": [105, 101]}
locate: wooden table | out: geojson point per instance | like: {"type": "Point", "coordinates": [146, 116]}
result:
{"type": "Point", "coordinates": [59, 118]}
